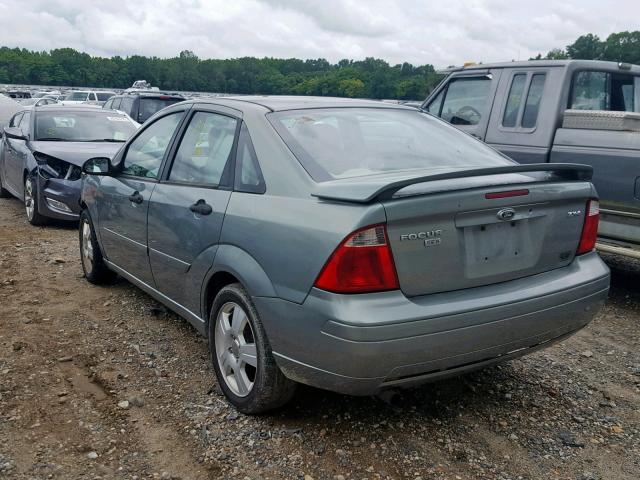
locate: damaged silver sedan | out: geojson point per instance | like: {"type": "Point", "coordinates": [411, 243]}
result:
{"type": "Point", "coordinates": [43, 148]}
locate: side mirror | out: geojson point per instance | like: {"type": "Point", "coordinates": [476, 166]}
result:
{"type": "Point", "coordinates": [98, 166]}
{"type": "Point", "coordinates": [14, 133]}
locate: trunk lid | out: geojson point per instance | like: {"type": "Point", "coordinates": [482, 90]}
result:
{"type": "Point", "coordinates": [457, 239]}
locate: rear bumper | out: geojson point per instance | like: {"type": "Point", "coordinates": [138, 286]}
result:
{"type": "Point", "coordinates": [359, 344]}
{"type": "Point", "coordinates": [58, 190]}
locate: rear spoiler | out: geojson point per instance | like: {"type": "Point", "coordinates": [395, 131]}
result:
{"type": "Point", "coordinates": [384, 187]}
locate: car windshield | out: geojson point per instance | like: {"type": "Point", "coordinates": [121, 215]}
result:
{"type": "Point", "coordinates": [89, 126]}
{"type": "Point", "coordinates": [77, 96]}
{"type": "Point", "coordinates": [354, 142]}
{"type": "Point", "coordinates": [149, 106]}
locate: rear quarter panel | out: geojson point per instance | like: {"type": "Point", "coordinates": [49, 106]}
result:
{"type": "Point", "coordinates": [289, 233]}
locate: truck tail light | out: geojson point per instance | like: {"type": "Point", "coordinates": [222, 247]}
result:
{"type": "Point", "coordinates": [362, 263]}
{"type": "Point", "coordinates": [590, 227]}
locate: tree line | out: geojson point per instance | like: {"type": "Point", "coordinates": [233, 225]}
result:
{"type": "Point", "coordinates": [368, 78]}
{"type": "Point", "coordinates": [617, 47]}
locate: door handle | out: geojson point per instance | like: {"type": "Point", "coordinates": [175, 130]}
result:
{"type": "Point", "coordinates": [201, 207]}
{"type": "Point", "coordinates": [135, 197]}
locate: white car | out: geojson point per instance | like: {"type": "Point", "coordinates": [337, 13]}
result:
{"type": "Point", "coordinates": [87, 96]}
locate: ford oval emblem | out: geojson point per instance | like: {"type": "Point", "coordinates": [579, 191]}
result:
{"type": "Point", "coordinates": [506, 214]}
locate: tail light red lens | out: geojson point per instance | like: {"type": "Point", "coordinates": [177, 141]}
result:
{"type": "Point", "coordinates": [362, 263]}
{"type": "Point", "coordinates": [590, 228]}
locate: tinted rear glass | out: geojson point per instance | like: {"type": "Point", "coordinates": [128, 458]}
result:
{"type": "Point", "coordinates": [354, 142]}
{"type": "Point", "coordinates": [103, 96]}
{"type": "Point", "coordinates": [149, 106]}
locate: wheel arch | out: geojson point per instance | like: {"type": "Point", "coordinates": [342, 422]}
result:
{"type": "Point", "coordinates": [234, 265]}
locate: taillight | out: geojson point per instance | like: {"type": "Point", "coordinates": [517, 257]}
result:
{"type": "Point", "coordinates": [362, 263]}
{"type": "Point", "coordinates": [590, 228]}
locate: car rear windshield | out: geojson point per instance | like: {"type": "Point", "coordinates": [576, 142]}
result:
{"type": "Point", "coordinates": [104, 96]}
{"type": "Point", "coordinates": [337, 143]}
{"type": "Point", "coordinates": [77, 96]}
{"type": "Point", "coordinates": [149, 106]}
{"type": "Point", "coordinates": [89, 126]}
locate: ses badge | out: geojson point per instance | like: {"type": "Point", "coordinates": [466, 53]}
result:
{"type": "Point", "coordinates": [430, 238]}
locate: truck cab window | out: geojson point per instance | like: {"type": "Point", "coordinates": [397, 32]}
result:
{"type": "Point", "coordinates": [534, 96]}
{"type": "Point", "coordinates": [465, 100]}
{"type": "Point", "coordinates": [434, 106]}
{"type": "Point", "coordinates": [592, 90]}
{"type": "Point", "coordinates": [514, 99]}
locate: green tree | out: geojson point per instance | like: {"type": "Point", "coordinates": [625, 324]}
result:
{"type": "Point", "coordinates": [586, 47]}
{"type": "Point", "coordinates": [622, 47]}
{"type": "Point", "coordinates": [371, 77]}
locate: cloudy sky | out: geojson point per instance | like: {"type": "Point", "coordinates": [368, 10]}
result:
{"type": "Point", "coordinates": [441, 32]}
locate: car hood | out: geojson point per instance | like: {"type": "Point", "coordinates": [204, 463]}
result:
{"type": "Point", "coordinates": [76, 152]}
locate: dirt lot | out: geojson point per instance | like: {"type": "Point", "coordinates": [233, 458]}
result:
{"type": "Point", "coordinates": [104, 383]}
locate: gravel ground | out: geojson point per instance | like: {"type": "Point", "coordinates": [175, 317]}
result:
{"type": "Point", "coordinates": [105, 383]}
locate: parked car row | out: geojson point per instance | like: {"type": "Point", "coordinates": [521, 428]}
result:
{"type": "Point", "coordinates": [350, 245]}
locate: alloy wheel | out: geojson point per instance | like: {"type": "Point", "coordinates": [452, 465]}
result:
{"type": "Point", "coordinates": [87, 247]}
{"type": "Point", "coordinates": [29, 201]}
{"type": "Point", "coordinates": [236, 349]}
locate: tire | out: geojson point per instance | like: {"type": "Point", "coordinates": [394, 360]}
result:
{"type": "Point", "coordinates": [31, 201]}
{"type": "Point", "coordinates": [232, 341]}
{"type": "Point", "coordinates": [95, 270]}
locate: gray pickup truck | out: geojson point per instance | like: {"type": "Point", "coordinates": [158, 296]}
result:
{"type": "Point", "coordinates": [575, 111]}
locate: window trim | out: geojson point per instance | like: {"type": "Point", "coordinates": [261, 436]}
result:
{"type": "Point", "coordinates": [20, 114]}
{"type": "Point", "coordinates": [520, 108]}
{"type": "Point", "coordinates": [259, 189]}
{"type": "Point", "coordinates": [163, 161]}
{"type": "Point", "coordinates": [27, 115]}
{"type": "Point", "coordinates": [530, 73]}
{"type": "Point", "coordinates": [526, 97]}
{"type": "Point", "coordinates": [170, 159]}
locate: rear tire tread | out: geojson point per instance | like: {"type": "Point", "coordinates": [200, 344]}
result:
{"type": "Point", "coordinates": [37, 220]}
{"type": "Point", "coordinates": [100, 273]}
{"type": "Point", "coordinates": [271, 388]}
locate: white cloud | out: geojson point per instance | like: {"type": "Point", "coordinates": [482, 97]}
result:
{"type": "Point", "coordinates": [438, 32]}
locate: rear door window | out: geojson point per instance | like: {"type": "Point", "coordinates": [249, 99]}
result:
{"type": "Point", "coordinates": [465, 101]}
{"type": "Point", "coordinates": [514, 100]}
{"type": "Point", "coordinates": [205, 150]}
{"type": "Point", "coordinates": [523, 101]}
{"type": "Point", "coordinates": [534, 97]}
{"type": "Point", "coordinates": [116, 103]}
